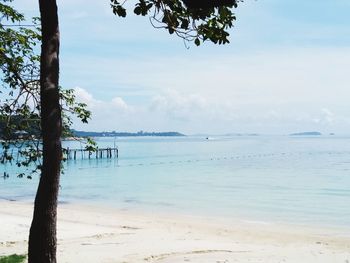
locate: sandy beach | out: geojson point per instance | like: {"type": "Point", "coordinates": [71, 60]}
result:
{"type": "Point", "coordinates": [96, 234]}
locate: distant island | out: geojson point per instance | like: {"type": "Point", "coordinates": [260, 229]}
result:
{"type": "Point", "coordinates": [313, 133]}
{"type": "Point", "coordinates": [124, 134]}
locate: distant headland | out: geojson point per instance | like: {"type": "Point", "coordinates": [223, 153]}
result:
{"type": "Point", "coordinates": [124, 134]}
{"type": "Point", "coordinates": [312, 133]}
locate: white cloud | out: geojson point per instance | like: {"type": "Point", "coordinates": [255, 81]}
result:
{"type": "Point", "coordinates": [326, 117]}
{"type": "Point", "coordinates": [83, 96]}
{"type": "Point", "coordinates": [117, 103]}
{"type": "Point", "coordinates": [179, 106]}
{"type": "Point", "coordinates": [275, 76]}
{"type": "Point", "coordinates": [269, 91]}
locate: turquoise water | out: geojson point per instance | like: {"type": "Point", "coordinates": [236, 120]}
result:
{"type": "Point", "coordinates": [302, 180]}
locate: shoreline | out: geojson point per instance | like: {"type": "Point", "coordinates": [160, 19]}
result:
{"type": "Point", "coordinates": [339, 230]}
{"type": "Point", "coordinates": [88, 233]}
{"type": "Point", "coordinates": [240, 219]}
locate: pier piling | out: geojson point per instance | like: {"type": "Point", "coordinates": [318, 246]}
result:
{"type": "Point", "coordinates": [108, 153]}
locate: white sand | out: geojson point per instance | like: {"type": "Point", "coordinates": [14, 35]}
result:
{"type": "Point", "coordinates": [90, 234]}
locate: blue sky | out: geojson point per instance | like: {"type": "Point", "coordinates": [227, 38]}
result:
{"type": "Point", "coordinates": [286, 70]}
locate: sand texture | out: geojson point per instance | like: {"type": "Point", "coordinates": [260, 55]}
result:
{"type": "Point", "coordinates": [91, 234]}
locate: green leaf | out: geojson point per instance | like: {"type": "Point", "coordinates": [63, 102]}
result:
{"type": "Point", "coordinates": [137, 10]}
{"type": "Point", "coordinates": [121, 11]}
{"type": "Point", "coordinates": [197, 41]}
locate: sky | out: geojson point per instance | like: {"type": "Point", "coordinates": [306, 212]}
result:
{"type": "Point", "coordinates": [286, 70]}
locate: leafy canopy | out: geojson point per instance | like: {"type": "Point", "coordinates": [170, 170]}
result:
{"type": "Point", "coordinates": [20, 126]}
{"type": "Point", "coordinates": [192, 20]}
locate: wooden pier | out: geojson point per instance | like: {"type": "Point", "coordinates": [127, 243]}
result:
{"type": "Point", "coordinates": [100, 153]}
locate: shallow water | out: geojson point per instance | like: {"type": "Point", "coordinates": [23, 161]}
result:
{"type": "Point", "coordinates": [287, 179]}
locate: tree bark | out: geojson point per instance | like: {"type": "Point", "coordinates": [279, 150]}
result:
{"type": "Point", "coordinates": [42, 237]}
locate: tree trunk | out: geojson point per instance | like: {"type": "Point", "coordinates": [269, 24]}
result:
{"type": "Point", "coordinates": [42, 237]}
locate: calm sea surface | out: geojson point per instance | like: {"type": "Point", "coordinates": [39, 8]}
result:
{"type": "Point", "coordinates": [303, 180]}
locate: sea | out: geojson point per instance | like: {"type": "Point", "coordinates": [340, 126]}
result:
{"type": "Point", "coordinates": [284, 179]}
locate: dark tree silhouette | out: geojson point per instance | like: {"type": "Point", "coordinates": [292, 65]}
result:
{"type": "Point", "coordinates": [42, 237]}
